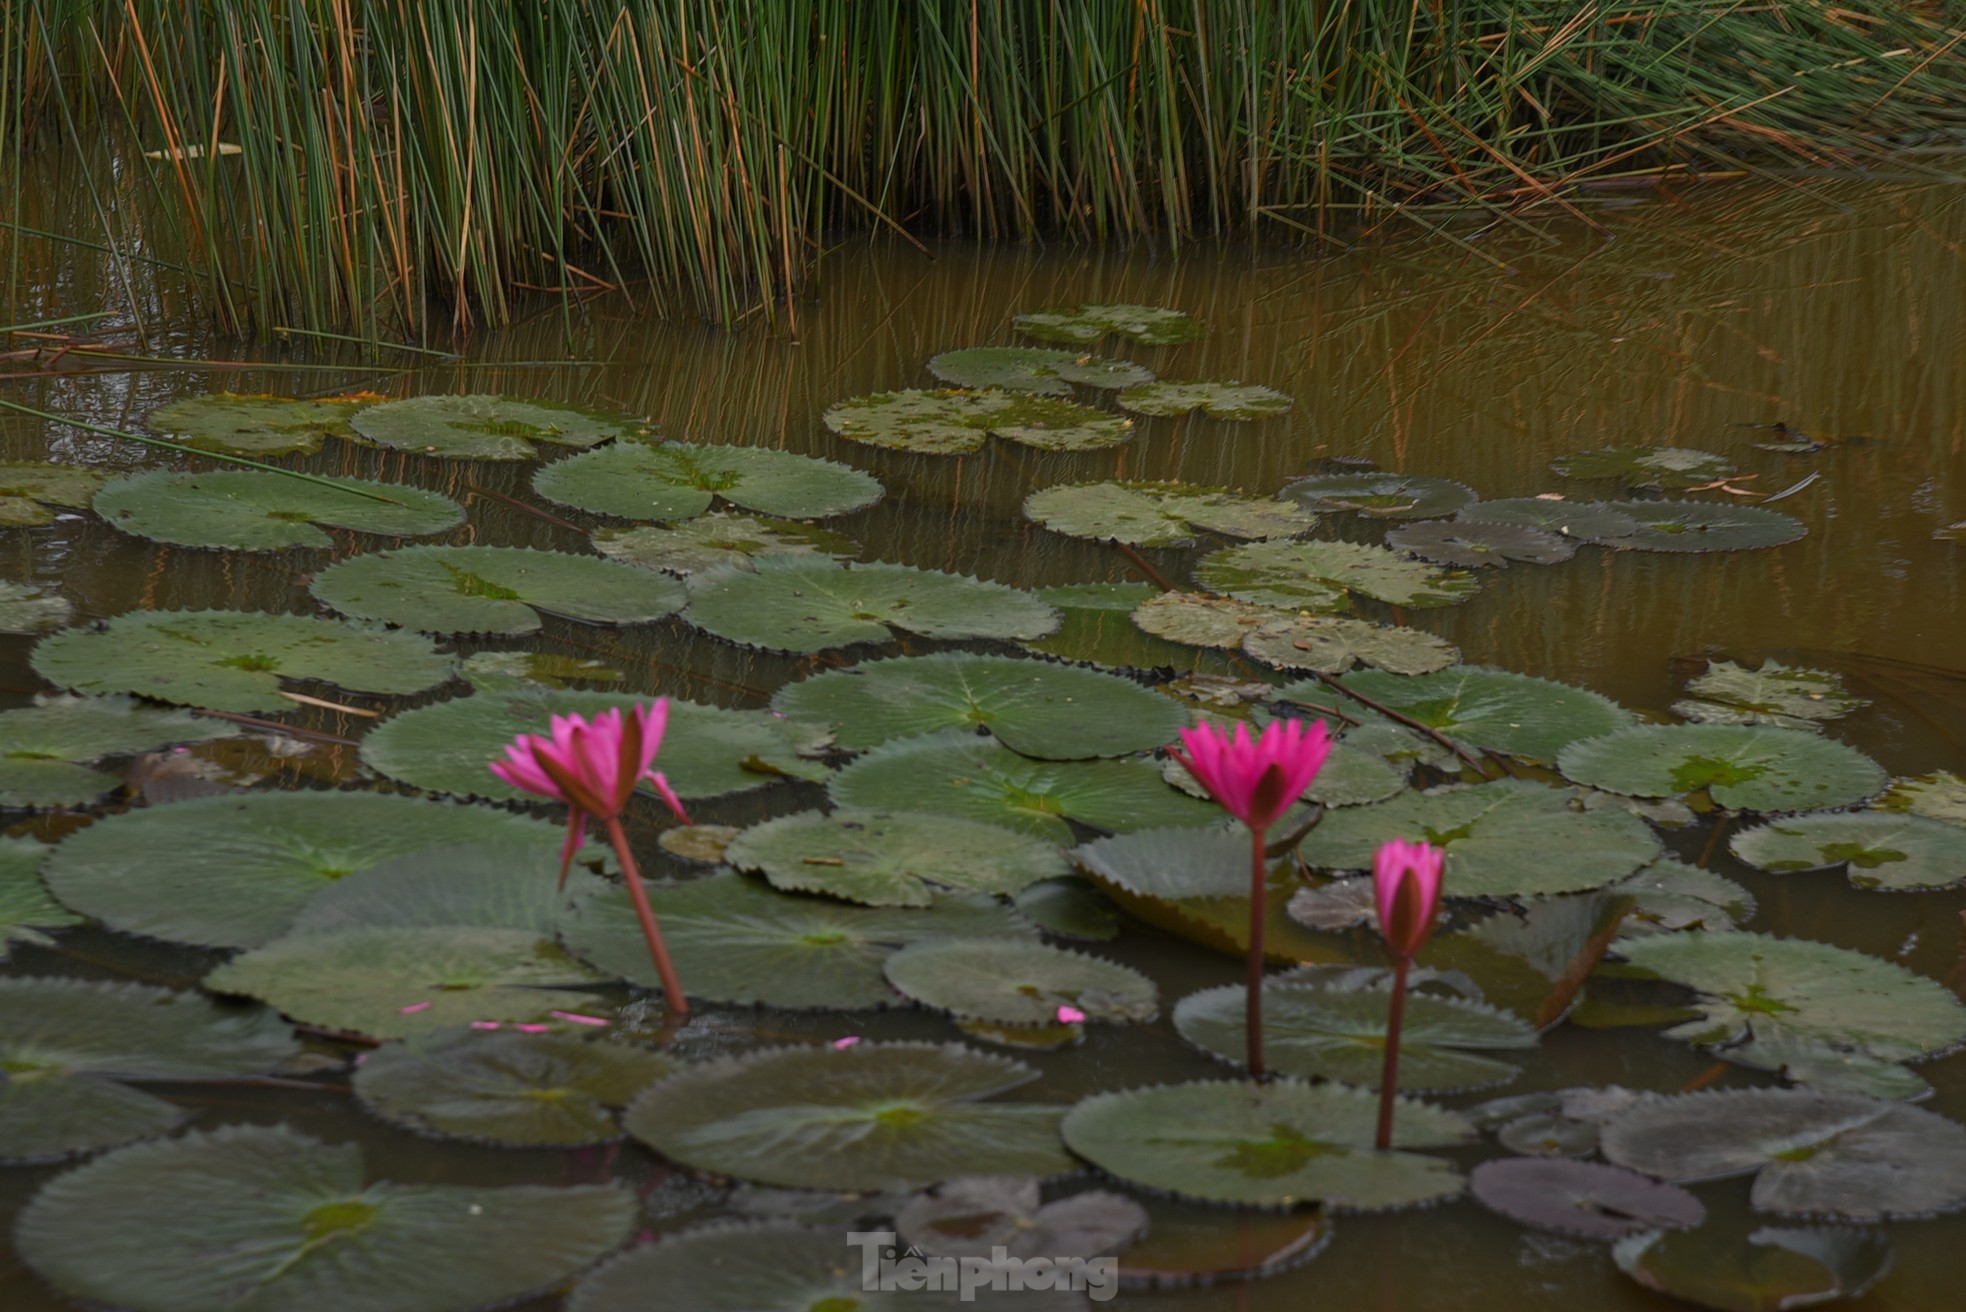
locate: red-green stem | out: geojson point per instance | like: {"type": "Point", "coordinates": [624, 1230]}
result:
{"type": "Point", "coordinates": [1389, 1074]}
{"type": "Point", "coordinates": [1259, 870]}
{"type": "Point", "coordinates": [672, 988]}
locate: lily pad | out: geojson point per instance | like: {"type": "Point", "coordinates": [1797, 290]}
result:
{"type": "Point", "coordinates": [43, 747]}
{"type": "Point", "coordinates": [1742, 767]}
{"type": "Point", "coordinates": [1033, 369]}
{"type": "Point", "coordinates": [873, 1116]}
{"type": "Point", "coordinates": [1579, 521]}
{"type": "Point", "coordinates": [498, 590]}
{"type": "Point", "coordinates": [1670, 895]}
{"type": "Point", "coordinates": [485, 427]}
{"type": "Point", "coordinates": [1703, 526]}
{"type": "Point", "coordinates": [973, 1216]}
{"type": "Point", "coordinates": [524, 1090]}
{"type": "Point", "coordinates": [1268, 1145]}
{"type": "Point", "coordinates": [1321, 575]}
{"type": "Point", "coordinates": [30, 489]}
{"type": "Point", "coordinates": [1231, 400]}
{"type": "Point", "coordinates": [1018, 983]}
{"type": "Point", "coordinates": [1512, 837]}
{"type": "Point", "coordinates": [1812, 1154]}
{"type": "Point", "coordinates": [959, 774]}
{"type": "Point", "coordinates": [487, 883]}
{"type": "Point", "coordinates": [1938, 796]}
{"type": "Point", "coordinates": [1325, 1033]}
{"type": "Point", "coordinates": [1877, 849]}
{"type": "Point", "coordinates": [1471, 544]}
{"type": "Point", "coordinates": [791, 604]}
{"type": "Point", "coordinates": [1582, 1198]}
{"type": "Point", "coordinates": [1727, 693]}
{"type": "Point", "coordinates": [508, 671]}
{"type": "Point", "coordinates": [957, 422]}
{"type": "Point", "coordinates": [1170, 864]}
{"type": "Point", "coordinates": [892, 858]}
{"type": "Point", "coordinates": [1497, 710]}
{"type": "Point", "coordinates": [711, 541]}
{"type": "Point", "coordinates": [26, 907]}
{"type": "Point", "coordinates": [1777, 1269]}
{"type": "Point", "coordinates": [1070, 907]}
{"type": "Point", "coordinates": [1661, 467]}
{"type": "Point", "coordinates": [1149, 325]}
{"type": "Point", "coordinates": [1387, 496]}
{"type": "Point", "coordinates": [65, 1044]}
{"type": "Point", "coordinates": [707, 751]}
{"type": "Point", "coordinates": [1829, 1069]}
{"type": "Point", "coordinates": [248, 510]}
{"type": "Point", "coordinates": [1161, 514]}
{"type": "Point", "coordinates": [32, 608]}
{"type": "Point", "coordinates": [235, 660]}
{"type": "Point", "coordinates": [680, 480]}
{"type": "Point", "coordinates": [1289, 640]}
{"type": "Point", "coordinates": [254, 425]}
{"type": "Point", "coordinates": [265, 1218]}
{"type": "Point", "coordinates": [1036, 708]}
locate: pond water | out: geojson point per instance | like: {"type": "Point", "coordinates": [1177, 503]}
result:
{"type": "Point", "coordinates": [1837, 308]}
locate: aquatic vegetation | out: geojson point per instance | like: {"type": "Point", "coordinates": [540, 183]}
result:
{"type": "Point", "coordinates": [1406, 889]}
{"type": "Point", "coordinates": [245, 510]}
{"type": "Point", "coordinates": [255, 425]}
{"type": "Point", "coordinates": [949, 423]}
{"type": "Point", "coordinates": [671, 481]}
{"type": "Point", "coordinates": [1026, 369]}
{"type": "Point", "coordinates": [484, 427]}
{"type": "Point", "coordinates": [499, 590]}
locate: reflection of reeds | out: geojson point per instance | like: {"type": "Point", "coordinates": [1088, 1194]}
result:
{"type": "Point", "coordinates": [394, 156]}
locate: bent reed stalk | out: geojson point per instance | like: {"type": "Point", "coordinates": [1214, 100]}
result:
{"type": "Point", "coordinates": [417, 164]}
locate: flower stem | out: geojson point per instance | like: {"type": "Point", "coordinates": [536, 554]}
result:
{"type": "Point", "coordinates": [1389, 1074]}
{"type": "Point", "coordinates": [1259, 870]}
{"type": "Point", "coordinates": [672, 988]}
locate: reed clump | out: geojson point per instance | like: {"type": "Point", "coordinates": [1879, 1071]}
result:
{"type": "Point", "coordinates": [414, 164]}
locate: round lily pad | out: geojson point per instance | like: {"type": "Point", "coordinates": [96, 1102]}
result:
{"type": "Point", "coordinates": [1018, 983]}
{"type": "Point", "coordinates": [1703, 526]}
{"type": "Point", "coordinates": [1582, 1198]}
{"type": "Point", "coordinates": [1230, 400]}
{"type": "Point", "coordinates": [1324, 1033]}
{"type": "Point", "coordinates": [64, 1044]}
{"type": "Point", "coordinates": [1812, 1154]}
{"type": "Point", "coordinates": [891, 1116]}
{"type": "Point", "coordinates": [1579, 521]}
{"type": "Point", "coordinates": [1161, 514]}
{"type": "Point", "coordinates": [507, 1087]}
{"type": "Point", "coordinates": [1150, 325]}
{"type": "Point", "coordinates": [1321, 575]}
{"type": "Point", "coordinates": [679, 480]}
{"type": "Point", "coordinates": [787, 603]}
{"type": "Point", "coordinates": [1170, 864]}
{"type": "Point", "coordinates": [266, 1219]}
{"type": "Point", "coordinates": [26, 907]}
{"type": "Point", "coordinates": [1333, 644]}
{"type": "Point", "coordinates": [1937, 796]}
{"type": "Point", "coordinates": [29, 489]}
{"type": "Point", "coordinates": [1742, 767]}
{"type": "Point", "coordinates": [1200, 620]}
{"type": "Point", "coordinates": [1829, 1068]}
{"type": "Point", "coordinates": [1268, 1145]}
{"type": "Point", "coordinates": [485, 427]}
{"type": "Point", "coordinates": [32, 608]}
{"type": "Point", "coordinates": [492, 589]}
{"type": "Point", "coordinates": [1036, 708]}
{"type": "Point", "coordinates": [971, 1217]}
{"type": "Point", "coordinates": [492, 884]}
{"type": "Point", "coordinates": [1032, 369]}
{"type": "Point", "coordinates": [1663, 467]}
{"type": "Point", "coordinates": [957, 422]}
{"type": "Point", "coordinates": [960, 774]}
{"type": "Point", "coordinates": [713, 541]}
{"type": "Point", "coordinates": [235, 660]}
{"type": "Point", "coordinates": [892, 858]}
{"type": "Point", "coordinates": [1069, 907]}
{"type": "Point", "coordinates": [1193, 1244]}
{"type": "Point", "coordinates": [1471, 544]}
{"type": "Point", "coordinates": [1670, 895]}
{"type": "Point", "coordinates": [248, 510]}
{"type": "Point", "coordinates": [1498, 710]}
{"type": "Point", "coordinates": [1726, 693]}
{"type": "Point", "coordinates": [1877, 849]}
{"type": "Point", "coordinates": [254, 425]}
{"type": "Point", "coordinates": [1387, 496]}
{"type": "Point", "coordinates": [43, 747]}
{"type": "Point", "coordinates": [1776, 1268]}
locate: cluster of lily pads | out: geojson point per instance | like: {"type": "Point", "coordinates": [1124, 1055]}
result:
{"type": "Point", "coordinates": [966, 823]}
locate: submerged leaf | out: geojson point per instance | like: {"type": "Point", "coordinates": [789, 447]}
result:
{"type": "Point", "coordinates": [1230, 400]}
{"type": "Point", "coordinates": [248, 510]}
{"type": "Point", "coordinates": [1742, 767]}
{"type": "Point", "coordinates": [1388, 496]}
{"type": "Point", "coordinates": [794, 604]}
{"type": "Point", "coordinates": [43, 747]}
{"type": "Point", "coordinates": [680, 480]}
{"type": "Point", "coordinates": [892, 858]}
{"type": "Point", "coordinates": [1731, 694]}
{"type": "Point", "coordinates": [971, 1217]}
{"type": "Point", "coordinates": [485, 427]}
{"type": "Point", "coordinates": [1877, 849]}
{"type": "Point", "coordinates": [498, 590]}
{"type": "Point", "coordinates": [28, 488]}
{"type": "Point", "coordinates": [32, 608]}
{"type": "Point", "coordinates": [1777, 1270]}
{"type": "Point", "coordinates": [713, 541]}
{"type": "Point", "coordinates": [1321, 575]}
{"type": "Point", "coordinates": [1161, 514]}
{"type": "Point", "coordinates": [1149, 325]}
{"type": "Point", "coordinates": [1662, 467]}
{"type": "Point", "coordinates": [957, 422]}
{"type": "Point", "coordinates": [1033, 369]}
{"type": "Point", "coordinates": [254, 425]}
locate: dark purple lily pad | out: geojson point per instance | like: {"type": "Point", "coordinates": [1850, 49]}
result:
{"type": "Point", "coordinates": [1582, 1198]}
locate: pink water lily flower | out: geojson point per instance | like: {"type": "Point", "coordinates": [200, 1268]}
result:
{"type": "Point", "coordinates": [1256, 779]}
{"type": "Point", "coordinates": [1406, 883]}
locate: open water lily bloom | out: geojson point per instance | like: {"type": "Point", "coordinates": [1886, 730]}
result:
{"type": "Point", "coordinates": [1256, 778]}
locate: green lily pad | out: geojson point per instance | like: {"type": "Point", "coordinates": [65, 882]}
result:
{"type": "Point", "coordinates": [247, 510]}
{"type": "Point", "coordinates": [1512, 837]}
{"type": "Point", "coordinates": [1268, 1145]}
{"type": "Point", "coordinates": [65, 1044]}
{"type": "Point", "coordinates": [1828, 1068]}
{"type": "Point", "coordinates": [29, 489]}
{"type": "Point", "coordinates": [1472, 544]}
{"type": "Point", "coordinates": [1727, 693]}
{"type": "Point", "coordinates": [786, 603]}
{"type": "Point", "coordinates": [1094, 626]}
{"type": "Point", "coordinates": [234, 871]}
{"type": "Point", "coordinates": [956, 422]}
{"type": "Point", "coordinates": [711, 541]}
{"type": "Point", "coordinates": [1812, 1154]}
{"type": "Point", "coordinates": [1069, 907]}
{"type": "Point", "coordinates": [735, 940]}
{"type": "Point", "coordinates": [1321, 575]}
{"type": "Point", "coordinates": [1387, 496]}
{"type": "Point", "coordinates": [1147, 324]}
{"type": "Point", "coordinates": [1287, 639]}
{"type": "Point", "coordinates": [1877, 849]}
{"type": "Point", "coordinates": [1742, 767]}
{"type": "Point", "coordinates": [486, 883]}
{"type": "Point", "coordinates": [32, 608]}
{"type": "Point", "coordinates": [498, 590]}
{"type": "Point", "coordinates": [1579, 521]}
{"type": "Point", "coordinates": [1036, 708]}
{"type": "Point", "coordinates": [524, 1090]}
{"type": "Point", "coordinates": [1661, 467]}
{"type": "Point", "coordinates": [1231, 400]}
{"type": "Point", "coordinates": [254, 425]}
{"type": "Point", "coordinates": [1532, 958]}
{"type": "Point", "coordinates": [1018, 983]}
{"type": "Point", "coordinates": [235, 660]}
{"type": "Point", "coordinates": [485, 427]}
{"type": "Point", "coordinates": [959, 774]}
{"type": "Point", "coordinates": [1170, 864]}
{"type": "Point", "coordinates": [1334, 1034]}
{"type": "Point", "coordinates": [890, 1116]}
{"type": "Point", "coordinates": [1776, 1269]}
{"type": "Point", "coordinates": [1496, 710]}
{"type": "Point", "coordinates": [1031, 369]}
{"type": "Point", "coordinates": [680, 480]}
{"type": "Point", "coordinates": [26, 907]}
{"type": "Point", "coordinates": [1670, 895]}
{"type": "Point", "coordinates": [707, 751]}
{"type": "Point", "coordinates": [43, 747]}
{"type": "Point", "coordinates": [377, 981]}
{"type": "Point", "coordinates": [1161, 514]}
{"type": "Point", "coordinates": [891, 858]}
{"type": "Point", "coordinates": [1938, 796]}
{"type": "Point", "coordinates": [260, 1218]}
{"type": "Point", "coordinates": [1704, 526]}
{"type": "Point", "coordinates": [1776, 988]}
{"type": "Point", "coordinates": [1199, 620]}
{"type": "Point", "coordinates": [509, 671]}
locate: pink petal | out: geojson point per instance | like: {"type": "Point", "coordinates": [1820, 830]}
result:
{"type": "Point", "coordinates": [1070, 1015]}
{"type": "Point", "coordinates": [576, 1018]}
{"type": "Point", "coordinates": [532, 1029]}
{"type": "Point", "coordinates": [484, 1025]}
{"type": "Point", "coordinates": [841, 1045]}
{"type": "Point", "coordinates": [413, 1008]}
